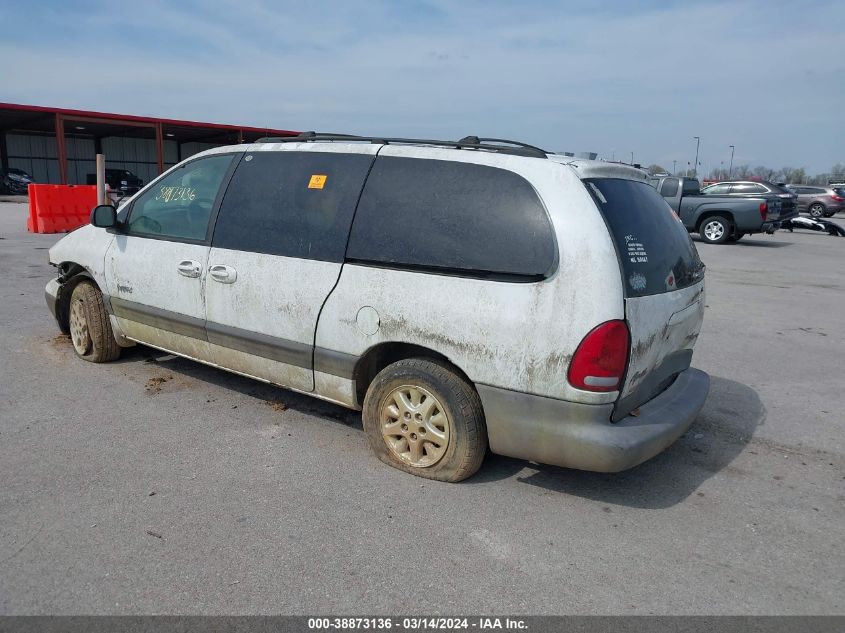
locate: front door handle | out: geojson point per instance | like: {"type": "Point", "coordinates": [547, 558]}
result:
{"type": "Point", "coordinates": [189, 268]}
{"type": "Point", "coordinates": [223, 274]}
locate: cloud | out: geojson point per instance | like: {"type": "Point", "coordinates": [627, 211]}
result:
{"type": "Point", "coordinates": [642, 77]}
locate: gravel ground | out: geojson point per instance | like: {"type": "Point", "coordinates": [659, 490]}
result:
{"type": "Point", "coordinates": [158, 485]}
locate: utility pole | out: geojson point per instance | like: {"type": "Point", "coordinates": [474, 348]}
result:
{"type": "Point", "coordinates": [695, 164]}
{"type": "Point", "coordinates": [731, 168]}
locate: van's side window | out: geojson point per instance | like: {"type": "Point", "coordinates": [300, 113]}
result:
{"type": "Point", "coordinates": [457, 217]}
{"type": "Point", "coordinates": [295, 204]}
{"type": "Point", "coordinates": [179, 205]}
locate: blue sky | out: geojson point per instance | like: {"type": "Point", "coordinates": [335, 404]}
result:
{"type": "Point", "coordinates": [610, 77]}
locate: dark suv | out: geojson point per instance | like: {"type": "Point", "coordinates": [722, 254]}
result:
{"type": "Point", "coordinates": [789, 200]}
{"type": "Point", "coordinates": [819, 201]}
{"type": "Point", "coordinates": [121, 180]}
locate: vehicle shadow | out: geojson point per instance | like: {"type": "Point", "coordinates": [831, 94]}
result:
{"type": "Point", "coordinates": [730, 417]}
{"type": "Point", "coordinates": [748, 242]}
{"type": "Point", "coordinates": [277, 397]}
{"type": "Point", "coordinates": [763, 244]}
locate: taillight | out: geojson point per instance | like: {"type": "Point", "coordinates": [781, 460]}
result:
{"type": "Point", "coordinates": [600, 360]}
{"type": "Point", "coordinates": [764, 208]}
{"type": "Point", "coordinates": [837, 198]}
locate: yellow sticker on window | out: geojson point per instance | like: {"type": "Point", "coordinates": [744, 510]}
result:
{"type": "Point", "coordinates": [318, 181]}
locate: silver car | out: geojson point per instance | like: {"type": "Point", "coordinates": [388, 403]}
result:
{"type": "Point", "coordinates": [819, 201]}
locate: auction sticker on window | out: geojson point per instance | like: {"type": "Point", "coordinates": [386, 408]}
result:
{"type": "Point", "coordinates": [318, 181]}
{"type": "Point", "coordinates": [636, 251]}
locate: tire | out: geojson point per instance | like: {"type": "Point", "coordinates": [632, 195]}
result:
{"type": "Point", "coordinates": [816, 209]}
{"type": "Point", "coordinates": [715, 229]}
{"type": "Point", "coordinates": [444, 439]}
{"type": "Point", "coordinates": [90, 330]}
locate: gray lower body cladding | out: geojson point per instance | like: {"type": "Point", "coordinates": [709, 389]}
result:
{"type": "Point", "coordinates": [51, 295]}
{"type": "Point", "coordinates": [582, 436]}
{"type": "Point", "coordinates": [281, 350]}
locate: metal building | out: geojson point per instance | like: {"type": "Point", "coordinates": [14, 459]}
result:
{"type": "Point", "coordinates": [57, 145]}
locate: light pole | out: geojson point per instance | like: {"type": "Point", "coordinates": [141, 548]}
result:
{"type": "Point", "coordinates": [731, 168]}
{"type": "Point", "coordinates": [674, 162]}
{"type": "Point", "coordinates": [695, 165]}
{"type": "Point", "coordinates": [632, 158]}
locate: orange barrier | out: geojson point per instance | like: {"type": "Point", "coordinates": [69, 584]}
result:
{"type": "Point", "coordinates": [60, 208]}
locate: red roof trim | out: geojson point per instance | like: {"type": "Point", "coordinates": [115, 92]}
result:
{"type": "Point", "coordinates": [70, 114]}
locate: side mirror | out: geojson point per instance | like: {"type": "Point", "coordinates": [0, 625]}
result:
{"type": "Point", "coordinates": [104, 216]}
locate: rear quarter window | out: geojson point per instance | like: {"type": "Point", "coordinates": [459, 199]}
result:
{"type": "Point", "coordinates": [655, 251]}
{"type": "Point", "coordinates": [452, 217]}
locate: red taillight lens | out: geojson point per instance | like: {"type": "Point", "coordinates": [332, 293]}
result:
{"type": "Point", "coordinates": [764, 208]}
{"type": "Point", "coordinates": [599, 362]}
{"type": "Point", "coordinates": [838, 198]}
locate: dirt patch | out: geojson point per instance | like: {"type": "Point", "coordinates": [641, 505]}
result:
{"type": "Point", "coordinates": [154, 384]}
{"type": "Point", "coordinates": [61, 340]}
{"type": "Point", "coordinates": [277, 405]}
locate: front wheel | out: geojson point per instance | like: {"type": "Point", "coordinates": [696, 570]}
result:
{"type": "Point", "coordinates": [817, 209]}
{"type": "Point", "coordinates": [715, 229]}
{"type": "Point", "coordinates": [90, 329]}
{"type": "Point", "coordinates": [421, 417]}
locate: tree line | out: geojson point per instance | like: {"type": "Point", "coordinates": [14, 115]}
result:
{"type": "Point", "coordinates": [788, 175]}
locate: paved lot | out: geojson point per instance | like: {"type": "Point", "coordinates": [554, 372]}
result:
{"type": "Point", "coordinates": [157, 485]}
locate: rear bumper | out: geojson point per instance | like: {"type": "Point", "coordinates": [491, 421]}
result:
{"type": "Point", "coordinates": [581, 436]}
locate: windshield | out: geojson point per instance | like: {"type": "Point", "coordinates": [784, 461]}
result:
{"type": "Point", "coordinates": [655, 250]}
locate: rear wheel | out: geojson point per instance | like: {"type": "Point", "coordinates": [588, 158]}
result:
{"type": "Point", "coordinates": [715, 229]}
{"type": "Point", "coordinates": [90, 329]}
{"type": "Point", "coordinates": [817, 209]}
{"type": "Point", "coordinates": [421, 417]}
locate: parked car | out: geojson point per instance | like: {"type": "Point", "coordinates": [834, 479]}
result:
{"type": "Point", "coordinates": [789, 201]}
{"type": "Point", "coordinates": [14, 181]}
{"type": "Point", "coordinates": [459, 293]}
{"type": "Point", "coordinates": [819, 201]}
{"type": "Point", "coordinates": [720, 219]}
{"type": "Point", "coordinates": [121, 180]}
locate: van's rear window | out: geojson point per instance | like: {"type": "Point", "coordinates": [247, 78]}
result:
{"type": "Point", "coordinates": [655, 250]}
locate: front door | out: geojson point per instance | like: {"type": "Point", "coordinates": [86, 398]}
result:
{"type": "Point", "coordinates": [276, 254]}
{"type": "Point", "coordinates": [156, 267]}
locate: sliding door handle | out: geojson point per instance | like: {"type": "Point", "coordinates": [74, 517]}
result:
{"type": "Point", "coordinates": [223, 274]}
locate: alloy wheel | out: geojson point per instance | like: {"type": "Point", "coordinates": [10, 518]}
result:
{"type": "Point", "coordinates": [79, 333]}
{"type": "Point", "coordinates": [415, 426]}
{"type": "Point", "coordinates": [714, 230]}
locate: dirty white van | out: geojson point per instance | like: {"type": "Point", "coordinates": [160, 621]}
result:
{"type": "Point", "coordinates": [462, 294]}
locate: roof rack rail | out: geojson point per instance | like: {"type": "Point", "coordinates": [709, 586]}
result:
{"type": "Point", "coordinates": [501, 141]}
{"type": "Point", "coordinates": [468, 142]}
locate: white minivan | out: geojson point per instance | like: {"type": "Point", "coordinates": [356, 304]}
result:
{"type": "Point", "coordinates": [463, 294]}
